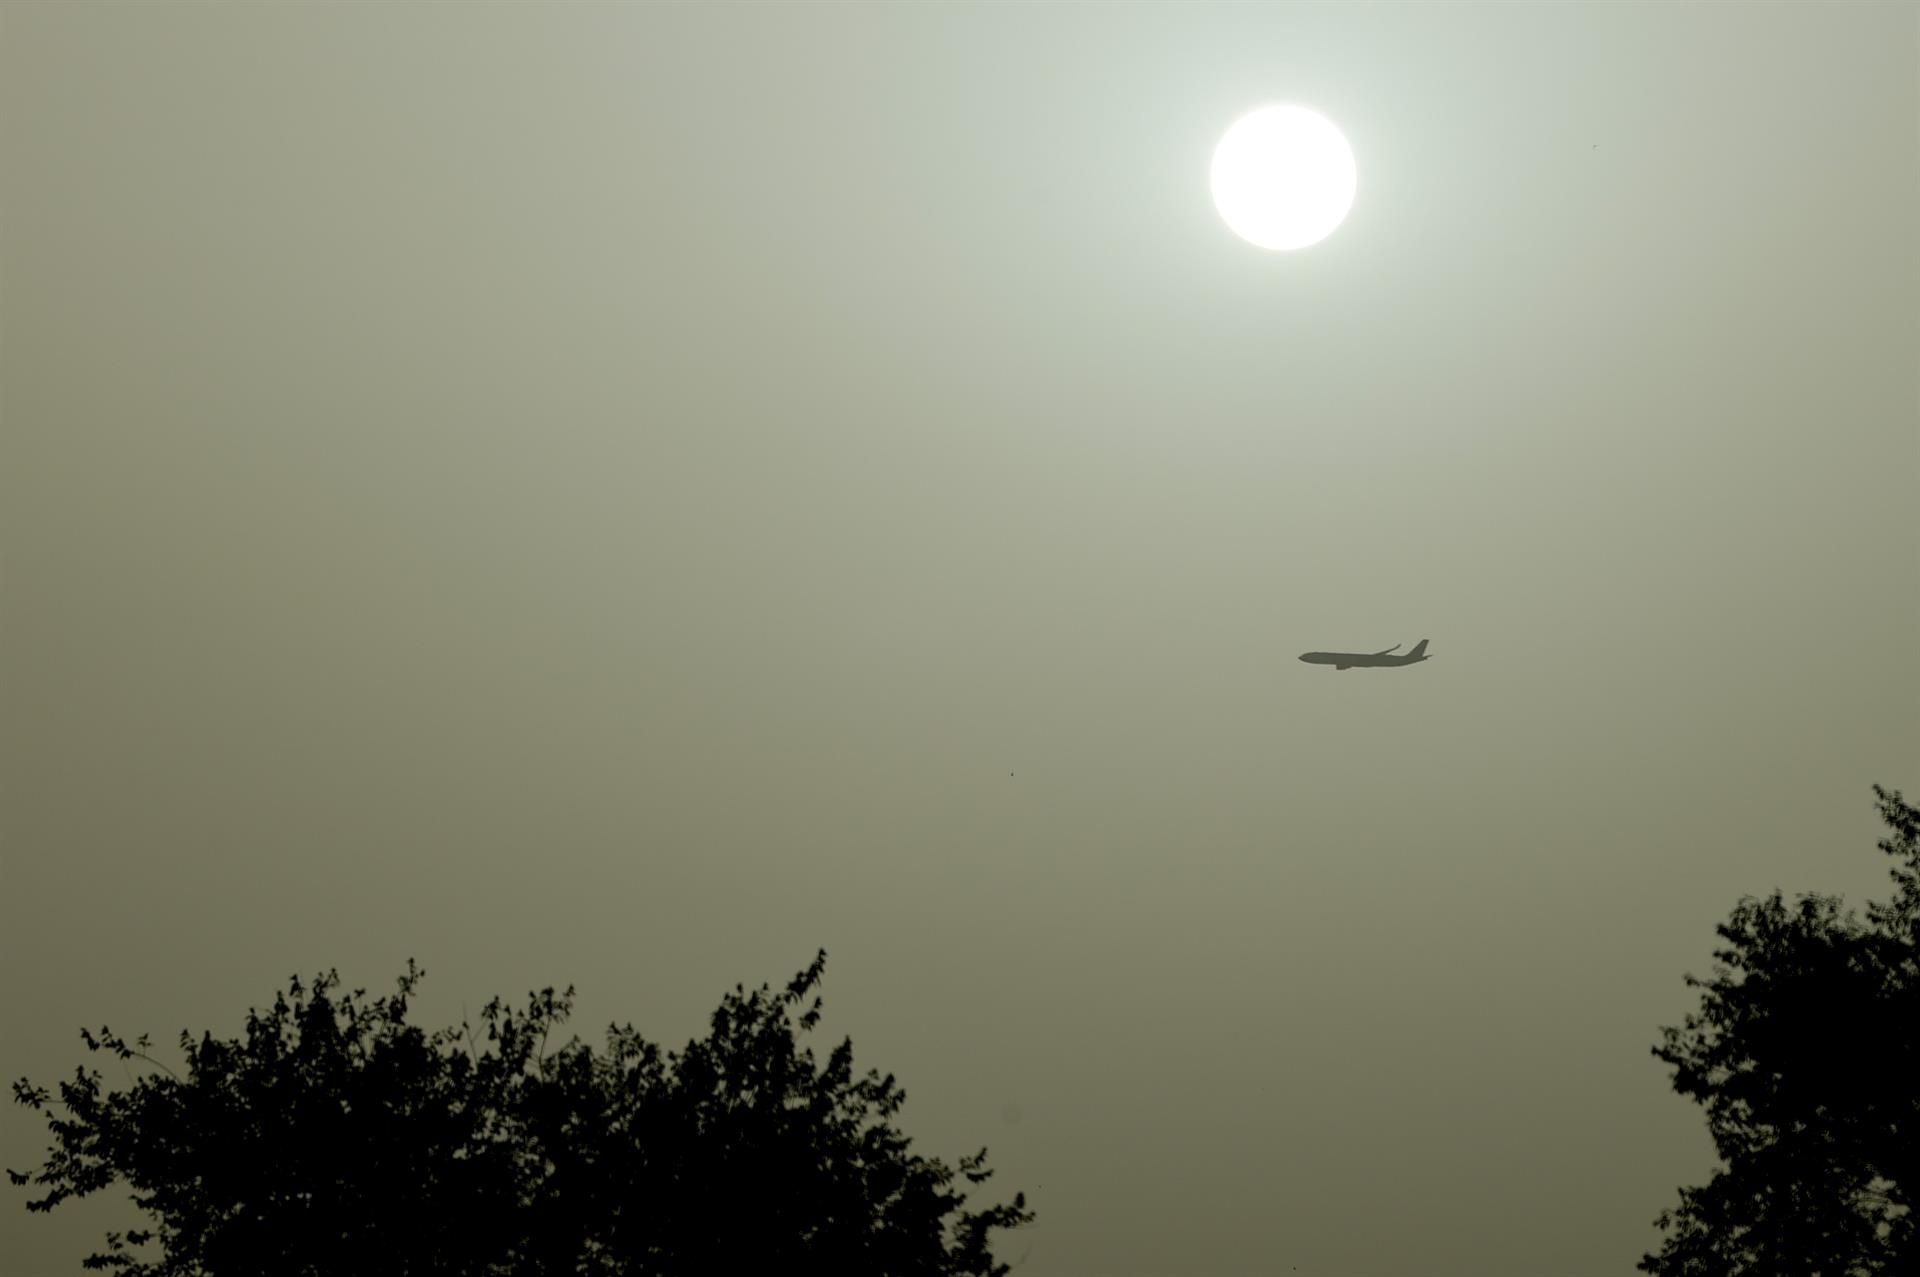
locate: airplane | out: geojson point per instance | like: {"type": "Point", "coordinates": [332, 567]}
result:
{"type": "Point", "coordinates": [1347, 660]}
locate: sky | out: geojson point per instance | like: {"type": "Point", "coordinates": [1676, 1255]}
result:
{"type": "Point", "coordinates": [628, 495]}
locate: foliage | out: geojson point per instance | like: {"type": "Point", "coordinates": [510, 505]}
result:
{"type": "Point", "coordinates": [337, 1139]}
{"type": "Point", "coordinates": [1806, 1055]}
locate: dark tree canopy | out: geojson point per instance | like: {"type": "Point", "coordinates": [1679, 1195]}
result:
{"type": "Point", "coordinates": [1806, 1055]}
{"type": "Point", "coordinates": [338, 1140]}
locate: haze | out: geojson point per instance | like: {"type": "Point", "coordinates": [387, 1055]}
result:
{"type": "Point", "coordinates": [626, 495]}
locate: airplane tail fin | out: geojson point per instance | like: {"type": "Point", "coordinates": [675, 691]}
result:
{"type": "Point", "coordinates": [1419, 649]}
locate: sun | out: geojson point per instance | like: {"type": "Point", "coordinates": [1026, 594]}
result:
{"type": "Point", "coordinates": [1283, 177]}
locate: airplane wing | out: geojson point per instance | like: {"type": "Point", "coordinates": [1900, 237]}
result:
{"type": "Point", "coordinates": [1388, 650]}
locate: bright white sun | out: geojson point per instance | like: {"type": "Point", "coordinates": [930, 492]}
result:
{"type": "Point", "coordinates": [1283, 177]}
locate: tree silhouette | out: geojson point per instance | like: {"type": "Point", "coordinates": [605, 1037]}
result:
{"type": "Point", "coordinates": [1806, 1055]}
{"type": "Point", "coordinates": [337, 1139]}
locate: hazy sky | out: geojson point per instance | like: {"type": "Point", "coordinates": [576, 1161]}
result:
{"type": "Point", "coordinates": [627, 495]}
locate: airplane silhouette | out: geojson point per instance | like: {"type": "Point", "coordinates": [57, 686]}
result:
{"type": "Point", "coordinates": [1347, 660]}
